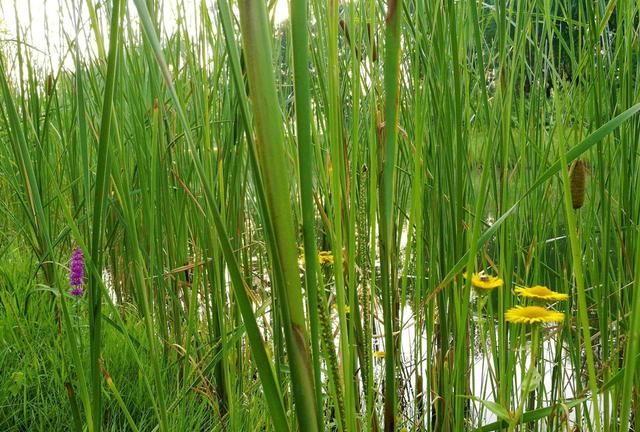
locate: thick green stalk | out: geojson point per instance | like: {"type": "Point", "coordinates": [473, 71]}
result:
{"type": "Point", "coordinates": [102, 172]}
{"type": "Point", "coordinates": [389, 282]}
{"type": "Point", "coordinates": [301, 81]}
{"type": "Point", "coordinates": [271, 158]}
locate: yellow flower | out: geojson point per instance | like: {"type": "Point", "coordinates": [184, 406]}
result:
{"type": "Point", "coordinates": [484, 282]}
{"type": "Point", "coordinates": [324, 257]}
{"type": "Point", "coordinates": [347, 309]}
{"type": "Point", "coordinates": [378, 354]}
{"type": "Point", "coordinates": [539, 292]}
{"type": "Point", "coordinates": [532, 315]}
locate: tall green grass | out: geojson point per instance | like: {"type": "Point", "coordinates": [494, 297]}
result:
{"type": "Point", "coordinates": [202, 169]}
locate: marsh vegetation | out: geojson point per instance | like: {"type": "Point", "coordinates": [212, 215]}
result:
{"type": "Point", "coordinates": [462, 174]}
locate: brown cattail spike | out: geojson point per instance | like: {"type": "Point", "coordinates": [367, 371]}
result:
{"type": "Point", "coordinates": [48, 85]}
{"type": "Point", "coordinates": [577, 176]}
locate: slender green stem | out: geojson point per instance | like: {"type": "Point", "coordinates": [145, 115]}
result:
{"type": "Point", "coordinates": [578, 273]}
{"type": "Point", "coordinates": [526, 383]}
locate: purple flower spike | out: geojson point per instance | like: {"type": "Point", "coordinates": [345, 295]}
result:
{"type": "Point", "coordinates": [77, 292]}
{"type": "Point", "coordinates": [76, 274]}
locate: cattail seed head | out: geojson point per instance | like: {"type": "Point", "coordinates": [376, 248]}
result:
{"type": "Point", "coordinates": [48, 85]}
{"type": "Point", "coordinates": [577, 176]}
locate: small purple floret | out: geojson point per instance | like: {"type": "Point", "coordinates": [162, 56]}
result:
{"type": "Point", "coordinates": [77, 292]}
{"type": "Point", "coordinates": [76, 273]}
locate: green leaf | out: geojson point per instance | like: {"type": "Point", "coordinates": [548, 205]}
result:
{"type": "Point", "coordinates": [531, 416]}
{"type": "Point", "coordinates": [533, 380]}
{"type": "Point", "coordinates": [494, 407]}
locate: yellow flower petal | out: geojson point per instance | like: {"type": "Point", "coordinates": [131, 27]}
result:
{"type": "Point", "coordinates": [484, 282]}
{"type": "Point", "coordinates": [532, 315]}
{"type": "Point", "coordinates": [539, 292]}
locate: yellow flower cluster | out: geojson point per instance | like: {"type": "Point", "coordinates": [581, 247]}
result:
{"type": "Point", "coordinates": [484, 283]}
{"type": "Point", "coordinates": [536, 314]}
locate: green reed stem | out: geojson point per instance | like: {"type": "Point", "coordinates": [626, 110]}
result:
{"type": "Point", "coordinates": [271, 158]}
{"type": "Point", "coordinates": [389, 283]}
{"type": "Point", "coordinates": [578, 273]}
{"type": "Point", "coordinates": [102, 172]}
{"type": "Point", "coordinates": [301, 82]}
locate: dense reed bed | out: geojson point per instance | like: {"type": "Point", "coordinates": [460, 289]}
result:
{"type": "Point", "coordinates": [325, 223]}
